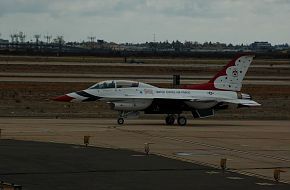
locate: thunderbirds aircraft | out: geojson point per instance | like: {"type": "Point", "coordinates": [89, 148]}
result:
{"type": "Point", "coordinates": [131, 97]}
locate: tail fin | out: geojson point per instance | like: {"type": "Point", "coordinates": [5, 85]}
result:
{"type": "Point", "coordinates": [230, 77]}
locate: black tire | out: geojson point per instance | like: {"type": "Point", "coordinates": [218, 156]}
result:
{"type": "Point", "coordinates": [182, 121]}
{"type": "Point", "coordinates": [170, 120]}
{"type": "Point", "coordinates": [120, 121]}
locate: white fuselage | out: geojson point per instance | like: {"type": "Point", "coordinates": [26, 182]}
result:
{"type": "Point", "coordinates": [163, 93]}
{"type": "Point", "coordinates": [142, 97]}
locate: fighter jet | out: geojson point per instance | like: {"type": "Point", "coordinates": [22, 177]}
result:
{"type": "Point", "coordinates": [130, 98]}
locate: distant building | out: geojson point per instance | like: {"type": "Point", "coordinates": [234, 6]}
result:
{"type": "Point", "coordinates": [114, 46]}
{"type": "Point", "coordinates": [4, 41]}
{"type": "Point", "coordinates": [281, 47]}
{"type": "Point", "coordinates": [261, 46]}
{"type": "Point", "coordinates": [129, 47]}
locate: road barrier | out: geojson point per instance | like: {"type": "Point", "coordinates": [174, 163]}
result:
{"type": "Point", "coordinates": [277, 174]}
{"type": "Point", "coordinates": [223, 164]}
{"type": "Point", "coordinates": [147, 148]}
{"type": "Point", "coordinates": [86, 140]}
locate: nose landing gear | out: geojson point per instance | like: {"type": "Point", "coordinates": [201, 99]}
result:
{"type": "Point", "coordinates": [120, 121]}
{"type": "Point", "coordinates": [127, 114]}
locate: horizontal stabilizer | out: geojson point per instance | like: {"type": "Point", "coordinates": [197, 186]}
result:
{"type": "Point", "coordinates": [243, 102]}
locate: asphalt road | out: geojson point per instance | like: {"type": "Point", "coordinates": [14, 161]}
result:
{"type": "Point", "coordinates": [36, 165]}
{"type": "Point", "coordinates": [196, 65]}
{"type": "Point", "coordinates": [251, 147]}
{"type": "Point", "coordinates": [257, 81]}
{"type": "Point", "coordinates": [133, 76]}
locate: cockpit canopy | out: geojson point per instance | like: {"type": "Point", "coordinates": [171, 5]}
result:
{"type": "Point", "coordinates": [120, 84]}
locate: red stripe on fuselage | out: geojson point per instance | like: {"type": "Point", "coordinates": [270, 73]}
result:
{"type": "Point", "coordinates": [63, 98]}
{"type": "Point", "coordinates": [206, 86]}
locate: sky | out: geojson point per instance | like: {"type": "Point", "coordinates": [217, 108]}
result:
{"type": "Point", "coordinates": [134, 21]}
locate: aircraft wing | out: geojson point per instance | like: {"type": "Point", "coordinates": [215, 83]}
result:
{"type": "Point", "coordinates": [245, 102]}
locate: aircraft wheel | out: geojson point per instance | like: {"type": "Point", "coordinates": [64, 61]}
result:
{"type": "Point", "coordinates": [170, 120]}
{"type": "Point", "coordinates": [120, 121]}
{"type": "Point", "coordinates": [181, 121]}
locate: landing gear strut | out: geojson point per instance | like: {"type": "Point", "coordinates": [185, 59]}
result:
{"type": "Point", "coordinates": [122, 115]}
{"type": "Point", "coordinates": [170, 119]}
{"type": "Point", "coordinates": [127, 114]}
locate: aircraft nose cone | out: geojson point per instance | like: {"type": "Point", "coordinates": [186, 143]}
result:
{"type": "Point", "coordinates": [63, 98]}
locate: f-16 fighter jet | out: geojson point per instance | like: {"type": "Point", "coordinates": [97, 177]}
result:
{"type": "Point", "coordinates": [130, 98]}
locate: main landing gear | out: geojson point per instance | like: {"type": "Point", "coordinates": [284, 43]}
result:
{"type": "Point", "coordinates": [120, 121]}
{"type": "Point", "coordinates": [181, 121]}
{"type": "Point", "coordinates": [170, 119]}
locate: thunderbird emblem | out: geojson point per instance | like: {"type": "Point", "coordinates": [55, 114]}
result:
{"type": "Point", "coordinates": [235, 73]}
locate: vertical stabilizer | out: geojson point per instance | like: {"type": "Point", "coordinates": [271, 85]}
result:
{"type": "Point", "coordinates": [230, 77]}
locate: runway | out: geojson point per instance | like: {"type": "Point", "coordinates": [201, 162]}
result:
{"type": "Point", "coordinates": [135, 76]}
{"type": "Point", "coordinates": [171, 63]}
{"type": "Point", "coordinates": [93, 78]}
{"type": "Point", "coordinates": [250, 147]}
{"type": "Point", "coordinates": [191, 72]}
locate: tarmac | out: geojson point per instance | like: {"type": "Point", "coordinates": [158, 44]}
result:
{"type": "Point", "coordinates": [46, 166]}
{"type": "Point", "coordinates": [89, 78]}
{"type": "Point", "coordinates": [203, 64]}
{"type": "Point", "coordinates": [181, 157]}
